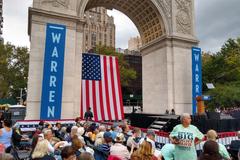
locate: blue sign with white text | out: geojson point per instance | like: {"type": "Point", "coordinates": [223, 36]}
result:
{"type": "Point", "coordinates": [51, 102]}
{"type": "Point", "coordinates": [196, 76]}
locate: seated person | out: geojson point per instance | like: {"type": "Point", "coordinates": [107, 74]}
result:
{"type": "Point", "coordinates": [234, 146]}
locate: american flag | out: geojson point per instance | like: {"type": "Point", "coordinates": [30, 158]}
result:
{"type": "Point", "coordinates": [101, 89]}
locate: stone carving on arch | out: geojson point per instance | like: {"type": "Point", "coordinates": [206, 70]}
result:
{"type": "Point", "coordinates": [184, 16]}
{"type": "Point", "coordinates": [165, 8]}
{"type": "Point", "coordinates": [57, 3]}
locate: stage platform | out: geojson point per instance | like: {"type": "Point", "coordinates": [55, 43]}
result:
{"type": "Point", "coordinates": [204, 123]}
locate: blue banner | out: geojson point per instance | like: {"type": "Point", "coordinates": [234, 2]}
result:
{"type": "Point", "coordinates": [196, 77]}
{"type": "Point", "coordinates": [51, 102]}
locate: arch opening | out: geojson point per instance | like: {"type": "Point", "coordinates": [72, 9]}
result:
{"type": "Point", "coordinates": [143, 14]}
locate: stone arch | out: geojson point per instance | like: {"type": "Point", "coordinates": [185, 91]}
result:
{"type": "Point", "coordinates": [151, 21]}
{"type": "Point", "coordinates": [167, 50]}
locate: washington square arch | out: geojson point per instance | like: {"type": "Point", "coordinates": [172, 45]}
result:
{"type": "Point", "coordinates": [167, 31]}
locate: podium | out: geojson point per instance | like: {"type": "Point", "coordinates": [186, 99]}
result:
{"type": "Point", "coordinates": [200, 105]}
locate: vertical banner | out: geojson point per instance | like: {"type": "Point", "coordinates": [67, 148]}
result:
{"type": "Point", "coordinates": [196, 76]}
{"type": "Point", "coordinates": [51, 102]}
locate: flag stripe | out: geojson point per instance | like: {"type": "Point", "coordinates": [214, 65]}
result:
{"type": "Point", "coordinates": [110, 88]}
{"type": "Point", "coordinates": [94, 101]}
{"type": "Point", "coordinates": [116, 89]}
{"type": "Point", "coordinates": [120, 90]}
{"type": "Point", "coordinates": [91, 97]}
{"type": "Point", "coordinates": [87, 95]}
{"type": "Point", "coordinates": [113, 88]}
{"type": "Point", "coordinates": [101, 102]}
{"type": "Point", "coordinates": [84, 96]}
{"type": "Point", "coordinates": [81, 108]}
{"type": "Point", "coordinates": [99, 114]}
{"type": "Point", "coordinates": [106, 88]}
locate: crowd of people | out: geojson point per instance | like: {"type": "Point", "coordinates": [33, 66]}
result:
{"type": "Point", "coordinates": [87, 140]}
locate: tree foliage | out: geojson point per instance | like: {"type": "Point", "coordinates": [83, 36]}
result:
{"type": "Point", "coordinates": [223, 70]}
{"type": "Point", "coordinates": [126, 74]}
{"type": "Point", "coordinates": [13, 70]}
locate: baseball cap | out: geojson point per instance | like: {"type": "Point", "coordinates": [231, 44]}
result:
{"type": "Point", "coordinates": [107, 135]}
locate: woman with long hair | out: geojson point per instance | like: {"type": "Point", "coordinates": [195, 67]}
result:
{"type": "Point", "coordinates": [41, 151]}
{"type": "Point", "coordinates": [144, 152]}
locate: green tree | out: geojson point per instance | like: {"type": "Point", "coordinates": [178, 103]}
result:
{"type": "Point", "coordinates": [13, 70]}
{"type": "Point", "coordinates": [223, 69]}
{"type": "Point", "coordinates": [126, 74]}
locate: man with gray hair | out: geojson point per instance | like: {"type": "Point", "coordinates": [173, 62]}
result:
{"type": "Point", "coordinates": [185, 136]}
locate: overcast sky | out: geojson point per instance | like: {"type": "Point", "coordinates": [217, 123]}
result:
{"type": "Point", "coordinates": [216, 21]}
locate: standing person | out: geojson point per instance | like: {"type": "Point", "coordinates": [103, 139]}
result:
{"type": "Point", "coordinates": [6, 134]}
{"type": "Point", "coordinates": [88, 114]}
{"type": "Point", "coordinates": [185, 136]}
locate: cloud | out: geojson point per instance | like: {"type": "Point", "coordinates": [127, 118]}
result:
{"type": "Point", "coordinates": [217, 21]}
{"type": "Point", "coordinates": [15, 14]}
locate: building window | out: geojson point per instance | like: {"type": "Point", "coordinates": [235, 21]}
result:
{"type": "Point", "coordinates": [94, 39]}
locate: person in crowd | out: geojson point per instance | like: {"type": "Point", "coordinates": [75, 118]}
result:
{"type": "Point", "coordinates": [115, 129]}
{"type": "Point", "coordinates": [41, 151]}
{"type": "Point", "coordinates": [99, 136]}
{"type": "Point", "coordinates": [212, 135]}
{"type": "Point", "coordinates": [185, 136]}
{"type": "Point", "coordinates": [235, 146]}
{"type": "Point", "coordinates": [63, 133]}
{"type": "Point", "coordinates": [210, 151]}
{"type": "Point", "coordinates": [35, 139]}
{"type": "Point", "coordinates": [172, 112]}
{"type": "Point", "coordinates": [6, 156]}
{"type": "Point", "coordinates": [74, 131]}
{"type": "Point", "coordinates": [118, 149]}
{"type": "Point", "coordinates": [167, 152]}
{"type": "Point", "coordinates": [167, 111]}
{"type": "Point", "coordinates": [88, 114]}
{"type": "Point", "coordinates": [144, 152]}
{"type": "Point", "coordinates": [134, 139]}
{"type": "Point", "coordinates": [67, 136]}
{"type": "Point", "coordinates": [105, 147]}
{"type": "Point", "coordinates": [1, 119]}
{"type": "Point", "coordinates": [68, 153]}
{"type": "Point", "coordinates": [239, 154]}
{"type": "Point", "coordinates": [125, 131]}
{"type": "Point", "coordinates": [80, 133]}
{"type": "Point", "coordinates": [6, 134]}
{"type": "Point", "coordinates": [48, 136]}
{"type": "Point", "coordinates": [150, 137]}
{"type": "Point", "coordinates": [77, 145]}
{"type": "Point", "coordinates": [57, 131]}
{"type": "Point", "coordinates": [18, 139]}
{"type": "Point", "coordinates": [86, 156]}
{"type": "Point", "coordinates": [92, 132]}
